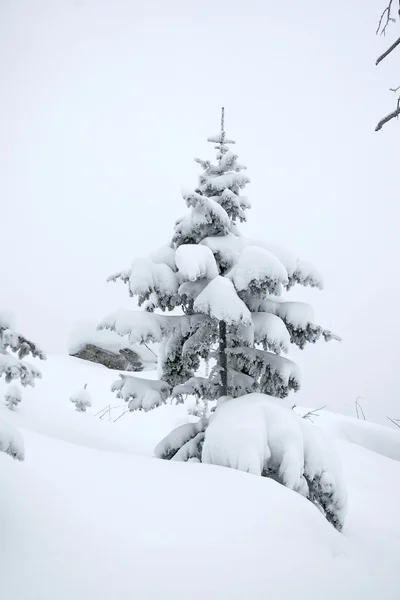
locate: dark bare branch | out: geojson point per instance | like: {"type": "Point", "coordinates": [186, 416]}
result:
{"type": "Point", "coordinates": [394, 421]}
{"type": "Point", "coordinates": [359, 408]}
{"type": "Point", "coordinates": [388, 118]}
{"type": "Point", "coordinates": [388, 51]}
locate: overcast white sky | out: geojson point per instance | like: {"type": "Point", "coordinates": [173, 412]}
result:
{"type": "Point", "coordinates": [103, 106]}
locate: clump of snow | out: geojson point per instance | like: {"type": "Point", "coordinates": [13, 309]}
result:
{"type": "Point", "coordinates": [165, 254]}
{"type": "Point", "coordinates": [147, 276]}
{"type": "Point", "coordinates": [195, 262]}
{"type": "Point", "coordinates": [147, 326]}
{"type": "Point", "coordinates": [140, 326]}
{"type": "Point", "coordinates": [11, 441]}
{"type": "Point", "coordinates": [82, 400]}
{"type": "Point", "coordinates": [261, 435]}
{"type": "Point", "coordinates": [229, 247]}
{"type": "Point", "coordinates": [258, 268]}
{"type": "Point", "coordinates": [270, 331]}
{"type": "Point", "coordinates": [226, 247]}
{"type": "Point", "coordinates": [222, 182]}
{"type": "Point", "coordinates": [219, 138]}
{"type": "Point", "coordinates": [12, 397]}
{"type": "Point", "coordinates": [141, 394]}
{"type": "Point", "coordinates": [220, 300]}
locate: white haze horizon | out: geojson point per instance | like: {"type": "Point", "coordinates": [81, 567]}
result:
{"type": "Point", "coordinates": [104, 107]}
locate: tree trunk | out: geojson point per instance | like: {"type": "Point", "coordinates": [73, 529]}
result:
{"type": "Point", "coordinates": [223, 359]}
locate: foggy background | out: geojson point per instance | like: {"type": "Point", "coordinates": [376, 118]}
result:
{"type": "Point", "coordinates": [104, 104]}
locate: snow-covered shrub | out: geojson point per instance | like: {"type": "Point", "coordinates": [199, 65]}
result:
{"type": "Point", "coordinates": [11, 343]}
{"type": "Point", "coordinates": [259, 434]}
{"type": "Point", "coordinates": [14, 367]}
{"type": "Point", "coordinates": [12, 397]}
{"type": "Point", "coordinates": [82, 400]}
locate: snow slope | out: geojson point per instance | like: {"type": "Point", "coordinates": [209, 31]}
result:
{"type": "Point", "coordinates": [85, 517]}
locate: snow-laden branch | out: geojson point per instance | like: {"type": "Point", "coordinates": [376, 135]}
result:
{"type": "Point", "coordinates": [141, 394]}
{"type": "Point", "coordinates": [13, 368]}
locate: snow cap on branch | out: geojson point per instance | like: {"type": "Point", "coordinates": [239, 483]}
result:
{"type": "Point", "coordinates": [220, 301]}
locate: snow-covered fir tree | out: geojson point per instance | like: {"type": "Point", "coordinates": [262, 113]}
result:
{"type": "Point", "coordinates": [14, 347]}
{"type": "Point", "coordinates": [82, 400]}
{"type": "Point", "coordinates": [227, 291]}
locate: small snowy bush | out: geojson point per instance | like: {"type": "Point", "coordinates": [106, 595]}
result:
{"type": "Point", "coordinates": [12, 397]}
{"type": "Point", "coordinates": [14, 347]}
{"type": "Point", "coordinates": [81, 399]}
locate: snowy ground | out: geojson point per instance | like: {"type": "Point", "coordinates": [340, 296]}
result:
{"type": "Point", "coordinates": [91, 515]}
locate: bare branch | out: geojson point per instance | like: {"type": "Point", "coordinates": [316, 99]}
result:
{"type": "Point", "coordinates": [144, 344]}
{"type": "Point", "coordinates": [359, 408]}
{"type": "Point", "coordinates": [313, 413]}
{"type": "Point", "coordinates": [395, 89]}
{"type": "Point", "coordinates": [388, 117]}
{"type": "Point", "coordinates": [394, 421]}
{"type": "Point", "coordinates": [389, 19]}
{"type": "Point", "coordinates": [388, 51]}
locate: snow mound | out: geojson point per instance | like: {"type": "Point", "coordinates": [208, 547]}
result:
{"type": "Point", "coordinates": [378, 438]}
{"type": "Point", "coordinates": [195, 262]}
{"type": "Point", "coordinates": [220, 300]}
{"type": "Point", "coordinates": [261, 435]}
{"type": "Point", "coordinates": [83, 483]}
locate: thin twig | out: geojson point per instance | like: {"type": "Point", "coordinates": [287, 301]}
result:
{"type": "Point", "coordinates": [389, 19]}
{"type": "Point", "coordinates": [395, 89]}
{"type": "Point", "coordinates": [121, 415]}
{"type": "Point", "coordinates": [103, 409]}
{"type": "Point", "coordinates": [313, 413]}
{"type": "Point", "coordinates": [144, 344]}
{"type": "Point", "coordinates": [394, 421]}
{"type": "Point", "coordinates": [359, 408]}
